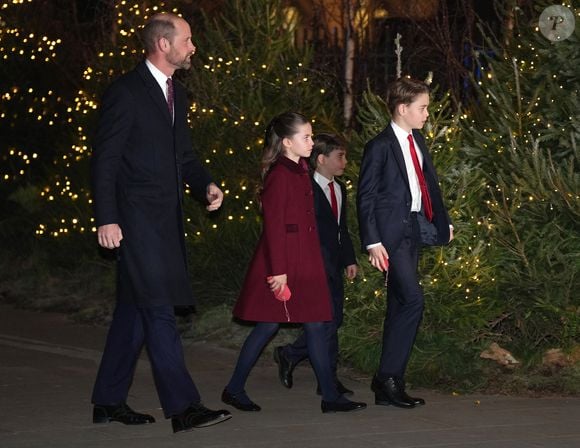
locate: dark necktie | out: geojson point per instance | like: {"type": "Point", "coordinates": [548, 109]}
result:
{"type": "Point", "coordinates": [170, 97]}
{"type": "Point", "coordinates": [333, 201]}
{"type": "Point", "coordinates": [426, 199]}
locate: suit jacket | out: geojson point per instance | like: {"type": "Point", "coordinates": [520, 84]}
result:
{"type": "Point", "coordinates": [335, 241]}
{"type": "Point", "coordinates": [140, 161]}
{"type": "Point", "coordinates": [384, 196]}
{"type": "Point", "coordinates": [289, 244]}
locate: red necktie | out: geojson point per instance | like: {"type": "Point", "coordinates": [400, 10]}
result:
{"type": "Point", "coordinates": [422, 184]}
{"type": "Point", "coordinates": [170, 96]}
{"type": "Point", "coordinates": [333, 201]}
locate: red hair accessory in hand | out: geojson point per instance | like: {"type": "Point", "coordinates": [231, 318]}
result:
{"type": "Point", "coordinates": [282, 294]}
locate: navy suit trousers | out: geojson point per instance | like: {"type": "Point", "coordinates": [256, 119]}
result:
{"type": "Point", "coordinates": [405, 304]}
{"type": "Point", "coordinates": [155, 327]}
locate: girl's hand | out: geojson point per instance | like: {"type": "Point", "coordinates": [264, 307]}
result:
{"type": "Point", "coordinates": [277, 282]}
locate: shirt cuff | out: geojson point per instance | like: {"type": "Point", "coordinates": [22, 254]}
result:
{"type": "Point", "coordinates": [370, 246]}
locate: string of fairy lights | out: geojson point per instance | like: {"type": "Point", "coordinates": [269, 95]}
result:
{"type": "Point", "coordinates": [49, 108]}
{"type": "Point", "coordinates": [129, 18]}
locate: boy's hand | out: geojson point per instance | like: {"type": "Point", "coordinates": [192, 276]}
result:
{"type": "Point", "coordinates": [351, 271]}
{"type": "Point", "coordinates": [379, 257]}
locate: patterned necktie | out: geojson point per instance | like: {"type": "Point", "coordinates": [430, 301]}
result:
{"type": "Point", "coordinates": [426, 199]}
{"type": "Point", "coordinates": [170, 97]}
{"type": "Point", "coordinates": [333, 201]}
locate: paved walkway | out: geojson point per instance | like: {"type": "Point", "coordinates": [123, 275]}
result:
{"type": "Point", "coordinates": [48, 364]}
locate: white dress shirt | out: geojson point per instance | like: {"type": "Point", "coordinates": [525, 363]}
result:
{"type": "Point", "coordinates": [323, 182]}
{"type": "Point", "coordinates": [159, 77]}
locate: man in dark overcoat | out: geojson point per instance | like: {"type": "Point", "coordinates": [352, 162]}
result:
{"type": "Point", "coordinates": [142, 156]}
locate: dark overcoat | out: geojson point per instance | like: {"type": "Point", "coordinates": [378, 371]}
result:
{"type": "Point", "coordinates": [290, 245]}
{"type": "Point", "coordinates": [139, 165]}
{"type": "Point", "coordinates": [336, 245]}
{"type": "Point", "coordinates": [384, 195]}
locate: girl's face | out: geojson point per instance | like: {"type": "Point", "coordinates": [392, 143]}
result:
{"type": "Point", "coordinates": [300, 144]}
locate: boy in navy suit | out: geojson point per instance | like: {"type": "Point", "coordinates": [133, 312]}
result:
{"type": "Point", "coordinates": [400, 208]}
{"type": "Point", "coordinates": [328, 160]}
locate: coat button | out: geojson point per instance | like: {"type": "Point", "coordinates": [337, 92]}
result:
{"type": "Point", "coordinates": [405, 221]}
{"type": "Point", "coordinates": [311, 228]}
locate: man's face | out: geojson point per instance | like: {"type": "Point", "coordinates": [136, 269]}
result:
{"type": "Point", "coordinates": [414, 115]}
{"type": "Point", "coordinates": [181, 47]}
{"type": "Point", "coordinates": [333, 164]}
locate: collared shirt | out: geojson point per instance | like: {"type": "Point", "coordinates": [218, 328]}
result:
{"type": "Point", "coordinates": [159, 76]}
{"type": "Point", "coordinates": [402, 138]}
{"type": "Point", "coordinates": [323, 182]}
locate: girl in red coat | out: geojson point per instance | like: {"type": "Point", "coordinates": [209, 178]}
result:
{"type": "Point", "coordinates": [288, 257]}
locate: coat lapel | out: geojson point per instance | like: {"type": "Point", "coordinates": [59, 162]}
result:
{"type": "Point", "coordinates": [321, 202]}
{"type": "Point", "coordinates": [154, 91]}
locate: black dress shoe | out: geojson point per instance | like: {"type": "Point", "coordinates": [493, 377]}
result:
{"type": "Point", "coordinates": [198, 416]}
{"type": "Point", "coordinates": [347, 406]}
{"type": "Point", "coordinates": [402, 387]}
{"type": "Point", "coordinates": [285, 367]}
{"type": "Point", "coordinates": [389, 392]}
{"type": "Point", "coordinates": [235, 400]}
{"type": "Point", "coordinates": [342, 390]}
{"type": "Point", "coordinates": [120, 413]}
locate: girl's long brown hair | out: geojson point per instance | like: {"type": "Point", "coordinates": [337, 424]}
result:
{"type": "Point", "coordinates": [281, 127]}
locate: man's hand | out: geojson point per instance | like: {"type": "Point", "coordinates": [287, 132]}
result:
{"type": "Point", "coordinates": [351, 271]}
{"type": "Point", "coordinates": [214, 196]}
{"type": "Point", "coordinates": [379, 257]}
{"type": "Point", "coordinates": [109, 236]}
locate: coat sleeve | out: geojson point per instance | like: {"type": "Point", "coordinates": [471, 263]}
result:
{"type": "Point", "coordinates": [274, 197]}
{"type": "Point", "coordinates": [368, 186]}
{"type": "Point", "coordinates": [347, 255]}
{"type": "Point", "coordinates": [195, 174]}
{"type": "Point", "coordinates": [113, 132]}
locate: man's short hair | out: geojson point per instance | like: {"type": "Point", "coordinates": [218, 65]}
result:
{"type": "Point", "coordinates": [160, 25]}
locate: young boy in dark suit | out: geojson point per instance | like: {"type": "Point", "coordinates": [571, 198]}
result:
{"type": "Point", "coordinates": [400, 208]}
{"type": "Point", "coordinates": [328, 160]}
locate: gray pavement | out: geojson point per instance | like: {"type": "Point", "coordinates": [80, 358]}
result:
{"type": "Point", "coordinates": [48, 364]}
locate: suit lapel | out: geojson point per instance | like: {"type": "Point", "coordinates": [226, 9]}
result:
{"type": "Point", "coordinates": [154, 91]}
{"type": "Point", "coordinates": [321, 202]}
{"type": "Point", "coordinates": [398, 154]}
{"type": "Point", "coordinates": [428, 168]}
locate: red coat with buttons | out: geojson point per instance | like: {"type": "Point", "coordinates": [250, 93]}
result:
{"type": "Point", "coordinates": [289, 245]}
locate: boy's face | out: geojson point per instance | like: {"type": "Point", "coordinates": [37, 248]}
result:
{"type": "Point", "coordinates": [413, 115]}
{"type": "Point", "coordinates": [333, 164]}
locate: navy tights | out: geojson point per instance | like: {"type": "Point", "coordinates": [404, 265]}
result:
{"type": "Point", "coordinates": [317, 352]}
